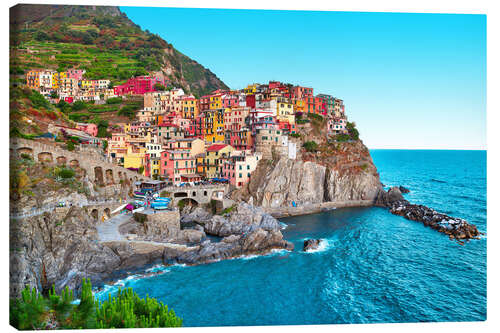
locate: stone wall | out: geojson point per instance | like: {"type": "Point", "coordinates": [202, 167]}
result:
{"type": "Point", "coordinates": [96, 167]}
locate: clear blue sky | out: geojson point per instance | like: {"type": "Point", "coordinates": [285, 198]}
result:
{"type": "Point", "coordinates": [407, 80]}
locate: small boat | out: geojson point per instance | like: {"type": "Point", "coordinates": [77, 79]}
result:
{"type": "Point", "coordinates": [159, 205]}
{"type": "Point", "coordinates": [162, 199]}
{"type": "Point", "coordinates": [138, 194]}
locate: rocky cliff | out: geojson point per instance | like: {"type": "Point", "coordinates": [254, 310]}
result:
{"type": "Point", "coordinates": [343, 173]}
{"type": "Point", "coordinates": [63, 246]}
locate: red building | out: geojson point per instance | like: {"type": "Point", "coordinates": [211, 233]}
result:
{"type": "Point", "coordinates": [205, 103]}
{"type": "Point", "coordinates": [250, 99]}
{"type": "Point", "coordinates": [138, 85]}
{"type": "Point", "coordinates": [301, 92]}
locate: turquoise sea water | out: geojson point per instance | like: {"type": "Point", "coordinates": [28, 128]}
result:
{"type": "Point", "coordinates": [374, 267]}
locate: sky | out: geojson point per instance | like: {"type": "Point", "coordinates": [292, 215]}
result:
{"type": "Point", "coordinates": [408, 81]}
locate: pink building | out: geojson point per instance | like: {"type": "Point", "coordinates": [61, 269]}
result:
{"type": "Point", "coordinates": [229, 101]}
{"type": "Point", "coordinates": [68, 99]}
{"type": "Point", "coordinates": [138, 85]}
{"type": "Point", "coordinates": [90, 129]}
{"type": "Point", "coordinates": [175, 164]}
{"type": "Point", "coordinates": [75, 74]}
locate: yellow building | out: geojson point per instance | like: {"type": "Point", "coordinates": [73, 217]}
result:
{"type": "Point", "coordinates": [214, 126]}
{"type": "Point", "coordinates": [190, 108]}
{"type": "Point", "coordinates": [250, 89]}
{"type": "Point", "coordinates": [214, 159]}
{"type": "Point", "coordinates": [33, 79]}
{"type": "Point", "coordinates": [215, 102]}
{"type": "Point", "coordinates": [86, 84]}
{"type": "Point", "coordinates": [299, 105]}
{"type": "Point", "coordinates": [285, 111]}
{"type": "Point", "coordinates": [58, 79]}
{"type": "Point", "coordinates": [134, 157]}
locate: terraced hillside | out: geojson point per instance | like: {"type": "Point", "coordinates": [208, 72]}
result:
{"type": "Point", "coordinates": [101, 40]}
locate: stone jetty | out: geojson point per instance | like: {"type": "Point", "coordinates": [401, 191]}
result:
{"type": "Point", "coordinates": [455, 228]}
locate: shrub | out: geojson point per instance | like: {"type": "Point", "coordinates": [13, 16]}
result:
{"type": "Point", "coordinates": [353, 132]}
{"type": "Point", "coordinates": [56, 311]}
{"type": "Point", "coordinates": [66, 173]}
{"type": "Point", "coordinates": [114, 100]}
{"type": "Point", "coordinates": [26, 156]}
{"type": "Point", "coordinates": [78, 106]}
{"type": "Point", "coordinates": [295, 135]}
{"type": "Point", "coordinates": [70, 146]}
{"type": "Point", "coordinates": [310, 146]}
{"type": "Point", "coordinates": [38, 101]}
{"type": "Point", "coordinates": [342, 137]}
{"type": "Point", "coordinates": [181, 204]}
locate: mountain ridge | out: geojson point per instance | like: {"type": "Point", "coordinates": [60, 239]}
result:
{"type": "Point", "coordinates": [109, 45]}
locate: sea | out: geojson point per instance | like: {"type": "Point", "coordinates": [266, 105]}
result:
{"type": "Point", "coordinates": [373, 267]}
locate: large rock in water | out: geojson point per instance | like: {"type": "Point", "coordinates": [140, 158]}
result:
{"type": "Point", "coordinates": [311, 244]}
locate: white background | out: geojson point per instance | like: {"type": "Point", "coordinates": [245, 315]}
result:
{"type": "Point", "coordinates": [429, 6]}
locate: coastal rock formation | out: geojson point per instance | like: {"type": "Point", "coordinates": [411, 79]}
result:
{"type": "Point", "coordinates": [311, 244]}
{"type": "Point", "coordinates": [258, 241]}
{"type": "Point", "coordinates": [57, 248]}
{"type": "Point", "coordinates": [61, 247]}
{"type": "Point", "coordinates": [455, 228]}
{"type": "Point", "coordinates": [246, 218]}
{"type": "Point", "coordinates": [403, 189]}
{"type": "Point", "coordinates": [346, 173]}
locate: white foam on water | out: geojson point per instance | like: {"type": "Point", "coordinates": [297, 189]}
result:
{"type": "Point", "coordinates": [283, 225]}
{"type": "Point", "coordinates": [325, 245]}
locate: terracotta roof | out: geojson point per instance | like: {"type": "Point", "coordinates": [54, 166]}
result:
{"type": "Point", "coordinates": [216, 147]}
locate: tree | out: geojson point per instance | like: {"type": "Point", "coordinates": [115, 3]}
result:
{"type": "Point", "coordinates": [79, 105]}
{"type": "Point", "coordinates": [310, 146]}
{"type": "Point", "coordinates": [159, 87]}
{"type": "Point", "coordinates": [57, 311]}
{"type": "Point", "coordinates": [54, 94]}
{"type": "Point", "coordinates": [353, 132]}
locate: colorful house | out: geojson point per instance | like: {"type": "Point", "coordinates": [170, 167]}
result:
{"type": "Point", "coordinates": [177, 163]}
{"type": "Point", "coordinates": [215, 154]}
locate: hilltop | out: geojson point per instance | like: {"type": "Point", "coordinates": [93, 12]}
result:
{"type": "Point", "coordinates": [103, 41]}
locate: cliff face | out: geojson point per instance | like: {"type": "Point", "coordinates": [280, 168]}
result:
{"type": "Point", "coordinates": [345, 174]}
{"type": "Point", "coordinates": [57, 248]}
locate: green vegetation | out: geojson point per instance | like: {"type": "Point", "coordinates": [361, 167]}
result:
{"type": "Point", "coordinates": [38, 101]}
{"type": "Point", "coordinates": [70, 145]}
{"type": "Point", "coordinates": [106, 45]}
{"type": "Point", "coordinates": [114, 100]}
{"type": "Point", "coordinates": [295, 135]}
{"type": "Point", "coordinates": [65, 173]}
{"type": "Point", "coordinates": [56, 311]}
{"type": "Point", "coordinates": [213, 206]}
{"type": "Point", "coordinates": [342, 137]}
{"type": "Point", "coordinates": [228, 210]}
{"type": "Point", "coordinates": [310, 146]}
{"type": "Point", "coordinates": [353, 132]}
{"type": "Point", "coordinates": [181, 204]}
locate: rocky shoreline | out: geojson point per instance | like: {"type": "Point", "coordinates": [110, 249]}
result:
{"type": "Point", "coordinates": [456, 228]}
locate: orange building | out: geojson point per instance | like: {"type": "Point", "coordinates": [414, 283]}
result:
{"type": "Point", "coordinates": [33, 79]}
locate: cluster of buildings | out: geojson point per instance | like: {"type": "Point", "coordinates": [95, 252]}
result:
{"type": "Point", "coordinates": [71, 86]}
{"type": "Point", "coordinates": [180, 138]}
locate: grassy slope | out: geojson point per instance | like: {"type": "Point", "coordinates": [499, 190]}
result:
{"type": "Point", "coordinates": [101, 40]}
